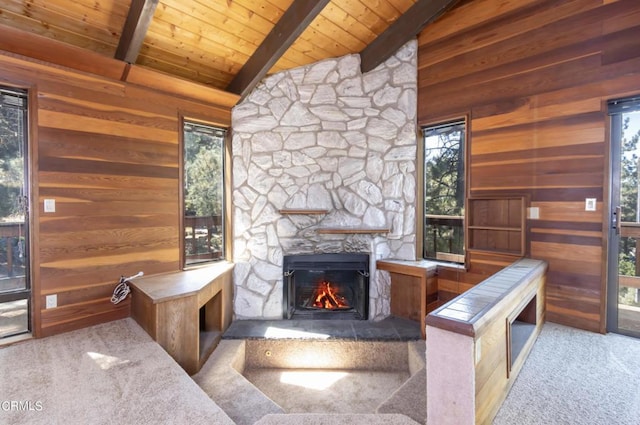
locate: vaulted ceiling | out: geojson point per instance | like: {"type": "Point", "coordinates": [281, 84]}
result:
{"type": "Point", "coordinates": [226, 44]}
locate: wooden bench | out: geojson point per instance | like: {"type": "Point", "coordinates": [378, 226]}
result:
{"type": "Point", "coordinates": [185, 312]}
{"type": "Point", "coordinates": [478, 342]}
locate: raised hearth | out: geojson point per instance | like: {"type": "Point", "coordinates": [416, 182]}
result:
{"type": "Point", "coordinates": [389, 329]}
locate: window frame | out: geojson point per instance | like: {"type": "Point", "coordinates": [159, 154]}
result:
{"type": "Point", "coordinates": [226, 181]}
{"type": "Point", "coordinates": [26, 293]}
{"type": "Point", "coordinates": [421, 237]}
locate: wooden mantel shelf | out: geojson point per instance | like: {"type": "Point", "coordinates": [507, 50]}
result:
{"type": "Point", "coordinates": [351, 230]}
{"type": "Point", "coordinates": [294, 211]}
{"type": "Point", "coordinates": [337, 230]}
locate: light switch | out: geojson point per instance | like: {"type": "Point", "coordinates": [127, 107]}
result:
{"type": "Point", "coordinates": [590, 204]}
{"type": "Point", "coordinates": [49, 205]}
{"type": "Point", "coordinates": [533, 213]}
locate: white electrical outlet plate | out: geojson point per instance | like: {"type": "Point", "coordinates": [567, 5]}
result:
{"type": "Point", "coordinates": [590, 204]}
{"type": "Point", "coordinates": [533, 213]}
{"type": "Point", "coordinates": [49, 205]}
{"type": "Point", "coordinates": [52, 301]}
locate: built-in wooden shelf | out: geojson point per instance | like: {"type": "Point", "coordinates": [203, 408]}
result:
{"type": "Point", "coordinates": [351, 230]}
{"type": "Point", "coordinates": [302, 212]}
{"type": "Point", "coordinates": [497, 225]}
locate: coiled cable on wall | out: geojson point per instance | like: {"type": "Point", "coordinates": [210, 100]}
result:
{"type": "Point", "coordinates": [122, 288]}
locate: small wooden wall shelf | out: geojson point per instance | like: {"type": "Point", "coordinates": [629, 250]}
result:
{"type": "Point", "coordinates": [351, 230]}
{"type": "Point", "coordinates": [302, 212]}
{"type": "Point", "coordinates": [334, 230]}
{"type": "Point", "coordinates": [497, 225]}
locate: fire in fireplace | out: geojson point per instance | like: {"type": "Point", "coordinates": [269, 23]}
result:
{"type": "Point", "coordinates": [326, 286]}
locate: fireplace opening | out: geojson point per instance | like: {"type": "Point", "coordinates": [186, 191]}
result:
{"type": "Point", "coordinates": [326, 286]}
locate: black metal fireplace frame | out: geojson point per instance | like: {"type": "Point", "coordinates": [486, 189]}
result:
{"type": "Point", "coordinates": [324, 262]}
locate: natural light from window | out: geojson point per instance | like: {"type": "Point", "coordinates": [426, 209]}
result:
{"type": "Point", "coordinates": [444, 191]}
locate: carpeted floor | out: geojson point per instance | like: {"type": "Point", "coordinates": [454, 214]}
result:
{"type": "Point", "coordinates": [342, 380]}
{"type": "Point", "coordinates": [113, 373]}
{"type": "Point", "coordinates": [326, 391]}
{"type": "Point", "coordinates": [575, 377]}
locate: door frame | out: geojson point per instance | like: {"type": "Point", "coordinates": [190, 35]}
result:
{"type": "Point", "coordinates": [613, 219]}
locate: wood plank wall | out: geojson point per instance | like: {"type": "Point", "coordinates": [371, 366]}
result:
{"type": "Point", "coordinates": [533, 76]}
{"type": "Point", "coordinates": [108, 152]}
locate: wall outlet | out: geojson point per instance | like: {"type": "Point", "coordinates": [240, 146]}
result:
{"type": "Point", "coordinates": [49, 205]}
{"type": "Point", "coordinates": [52, 301]}
{"type": "Point", "coordinates": [590, 204]}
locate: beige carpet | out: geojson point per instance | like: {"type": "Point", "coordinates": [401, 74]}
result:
{"type": "Point", "coordinates": [574, 377]}
{"type": "Point", "coordinates": [326, 391]}
{"type": "Point", "coordinates": [300, 381]}
{"type": "Point", "coordinates": [115, 374]}
{"type": "Point", "coordinates": [335, 419]}
{"type": "Point", "coordinates": [112, 373]}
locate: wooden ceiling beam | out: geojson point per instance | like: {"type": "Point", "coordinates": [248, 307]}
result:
{"type": "Point", "coordinates": [292, 23]}
{"type": "Point", "coordinates": [135, 29]}
{"type": "Point", "coordinates": [407, 26]}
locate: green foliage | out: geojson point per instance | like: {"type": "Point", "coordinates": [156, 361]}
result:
{"type": "Point", "coordinates": [11, 132]}
{"type": "Point", "coordinates": [629, 176]}
{"type": "Point", "coordinates": [629, 207]}
{"type": "Point", "coordinates": [203, 190]}
{"type": "Point", "coordinates": [11, 159]}
{"type": "Point", "coordinates": [444, 189]}
{"type": "Point", "coordinates": [203, 183]}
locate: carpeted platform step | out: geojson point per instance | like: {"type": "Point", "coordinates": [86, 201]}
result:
{"type": "Point", "coordinates": [336, 419]}
{"type": "Point", "coordinates": [221, 378]}
{"type": "Point", "coordinates": [410, 399]}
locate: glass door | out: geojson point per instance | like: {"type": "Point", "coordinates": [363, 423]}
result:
{"type": "Point", "coordinates": [15, 291]}
{"type": "Point", "coordinates": [623, 305]}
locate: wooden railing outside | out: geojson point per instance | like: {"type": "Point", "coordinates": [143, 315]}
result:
{"type": "Point", "coordinates": [437, 222]}
{"type": "Point", "coordinates": [9, 232]}
{"type": "Point", "coordinates": [203, 237]}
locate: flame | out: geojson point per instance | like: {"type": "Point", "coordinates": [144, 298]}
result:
{"type": "Point", "coordinates": [327, 297]}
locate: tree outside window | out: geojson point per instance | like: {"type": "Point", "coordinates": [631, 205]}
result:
{"type": "Point", "coordinates": [203, 192]}
{"type": "Point", "coordinates": [629, 200]}
{"type": "Point", "coordinates": [444, 191]}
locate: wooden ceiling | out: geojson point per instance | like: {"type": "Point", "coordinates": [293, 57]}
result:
{"type": "Point", "coordinates": [226, 44]}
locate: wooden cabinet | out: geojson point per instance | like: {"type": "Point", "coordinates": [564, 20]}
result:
{"type": "Point", "coordinates": [497, 225]}
{"type": "Point", "coordinates": [185, 312]}
{"type": "Point", "coordinates": [414, 289]}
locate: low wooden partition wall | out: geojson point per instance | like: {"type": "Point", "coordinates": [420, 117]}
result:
{"type": "Point", "coordinates": [478, 342]}
{"type": "Point", "coordinates": [185, 312]}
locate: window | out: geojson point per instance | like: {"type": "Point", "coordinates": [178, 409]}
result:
{"type": "Point", "coordinates": [203, 178]}
{"type": "Point", "coordinates": [15, 291]}
{"type": "Point", "coordinates": [444, 191]}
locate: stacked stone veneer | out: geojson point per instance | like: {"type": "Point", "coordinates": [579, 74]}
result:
{"type": "Point", "coordinates": [323, 136]}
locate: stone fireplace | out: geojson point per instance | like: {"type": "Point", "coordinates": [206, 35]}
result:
{"type": "Point", "coordinates": [317, 147]}
{"type": "Point", "coordinates": [326, 286]}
